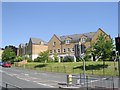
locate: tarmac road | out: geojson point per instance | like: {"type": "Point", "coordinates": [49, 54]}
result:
{"type": "Point", "coordinates": [31, 79]}
{"type": "Point", "coordinates": [25, 78]}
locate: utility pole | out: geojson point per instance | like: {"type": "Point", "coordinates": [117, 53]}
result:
{"type": "Point", "coordinates": [117, 41]}
{"type": "Point", "coordinates": [119, 64]}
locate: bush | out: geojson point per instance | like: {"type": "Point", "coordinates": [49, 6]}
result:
{"type": "Point", "coordinates": [43, 57]}
{"type": "Point", "coordinates": [29, 60]}
{"type": "Point", "coordinates": [78, 59]}
{"type": "Point", "coordinates": [87, 57]}
{"type": "Point", "coordinates": [50, 60]}
{"type": "Point", "coordinates": [55, 58]}
{"type": "Point", "coordinates": [36, 60]}
{"type": "Point", "coordinates": [68, 59]}
{"type": "Point", "coordinates": [18, 59]}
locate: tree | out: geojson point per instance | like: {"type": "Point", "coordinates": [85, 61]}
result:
{"type": "Point", "coordinates": [103, 48]}
{"type": "Point", "coordinates": [8, 55]}
{"type": "Point", "coordinates": [43, 57]}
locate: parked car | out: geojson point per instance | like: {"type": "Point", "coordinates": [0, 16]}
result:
{"type": "Point", "coordinates": [6, 64]}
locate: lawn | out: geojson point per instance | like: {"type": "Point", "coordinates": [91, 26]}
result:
{"type": "Point", "coordinates": [94, 68]}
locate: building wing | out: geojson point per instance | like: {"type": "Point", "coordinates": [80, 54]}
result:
{"type": "Point", "coordinates": [38, 41]}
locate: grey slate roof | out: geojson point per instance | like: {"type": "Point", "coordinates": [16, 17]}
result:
{"type": "Point", "coordinates": [76, 37]}
{"type": "Point", "coordinates": [37, 41]}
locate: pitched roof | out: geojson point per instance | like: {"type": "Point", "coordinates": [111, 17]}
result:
{"type": "Point", "coordinates": [76, 37]}
{"type": "Point", "coordinates": [37, 41]}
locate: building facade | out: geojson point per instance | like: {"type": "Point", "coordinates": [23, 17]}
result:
{"type": "Point", "coordinates": [65, 45]}
{"type": "Point", "coordinates": [32, 48]}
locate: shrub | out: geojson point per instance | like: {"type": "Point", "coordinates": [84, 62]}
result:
{"type": "Point", "coordinates": [29, 60]}
{"type": "Point", "coordinates": [36, 60]}
{"type": "Point", "coordinates": [18, 59]}
{"type": "Point", "coordinates": [55, 58]}
{"type": "Point", "coordinates": [50, 60]}
{"type": "Point", "coordinates": [78, 59]}
{"type": "Point", "coordinates": [68, 59]}
{"type": "Point", "coordinates": [87, 57]}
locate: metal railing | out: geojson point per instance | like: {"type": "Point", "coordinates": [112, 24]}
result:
{"type": "Point", "coordinates": [8, 86]}
{"type": "Point", "coordinates": [91, 82]}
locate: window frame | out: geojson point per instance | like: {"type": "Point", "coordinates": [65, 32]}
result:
{"type": "Point", "coordinates": [54, 43]}
{"type": "Point", "coordinates": [64, 50]}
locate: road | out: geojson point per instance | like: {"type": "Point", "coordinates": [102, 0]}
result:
{"type": "Point", "coordinates": [24, 78]}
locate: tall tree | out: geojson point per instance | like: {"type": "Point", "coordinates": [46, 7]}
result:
{"type": "Point", "coordinates": [8, 55]}
{"type": "Point", "coordinates": [103, 48]}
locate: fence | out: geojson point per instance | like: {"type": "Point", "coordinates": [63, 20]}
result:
{"type": "Point", "coordinates": [8, 86]}
{"type": "Point", "coordinates": [90, 82]}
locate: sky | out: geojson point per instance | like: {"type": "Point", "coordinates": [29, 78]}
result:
{"type": "Point", "coordinates": [22, 20]}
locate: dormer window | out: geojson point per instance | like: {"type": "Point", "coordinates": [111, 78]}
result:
{"type": "Point", "coordinates": [67, 41]}
{"type": "Point", "coordinates": [41, 43]}
{"type": "Point", "coordinates": [54, 43]}
{"type": "Point", "coordinates": [83, 40]}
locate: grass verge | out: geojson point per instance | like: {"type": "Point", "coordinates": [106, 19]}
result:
{"type": "Point", "coordinates": [94, 68]}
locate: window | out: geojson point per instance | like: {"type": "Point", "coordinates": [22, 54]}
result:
{"type": "Point", "coordinates": [41, 43]}
{"type": "Point", "coordinates": [51, 51]}
{"type": "Point", "coordinates": [58, 50]}
{"type": "Point", "coordinates": [54, 43]}
{"type": "Point", "coordinates": [64, 50]}
{"type": "Point", "coordinates": [54, 51]}
{"type": "Point", "coordinates": [83, 40]}
{"type": "Point", "coordinates": [68, 49]}
{"type": "Point", "coordinates": [67, 42]}
{"type": "Point", "coordinates": [73, 49]}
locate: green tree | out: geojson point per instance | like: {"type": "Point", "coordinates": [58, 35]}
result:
{"type": "Point", "coordinates": [43, 57]}
{"type": "Point", "coordinates": [8, 55]}
{"type": "Point", "coordinates": [103, 48]}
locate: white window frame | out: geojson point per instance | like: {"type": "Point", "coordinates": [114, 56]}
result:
{"type": "Point", "coordinates": [83, 40]}
{"type": "Point", "coordinates": [64, 50]}
{"type": "Point", "coordinates": [54, 43]}
{"type": "Point", "coordinates": [68, 49]}
{"type": "Point", "coordinates": [73, 49]}
{"type": "Point", "coordinates": [58, 50]}
{"type": "Point", "coordinates": [67, 41]}
{"type": "Point", "coordinates": [54, 50]}
{"type": "Point", "coordinates": [50, 51]}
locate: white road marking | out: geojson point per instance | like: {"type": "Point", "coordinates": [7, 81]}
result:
{"type": "Point", "coordinates": [35, 81]}
{"type": "Point", "coordinates": [35, 78]}
{"type": "Point", "coordinates": [8, 73]}
{"type": "Point", "coordinates": [28, 78]}
{"type": "Point", "coordinates": [45, 85]}
{"type": "Point", "coordinates": [94, 80]}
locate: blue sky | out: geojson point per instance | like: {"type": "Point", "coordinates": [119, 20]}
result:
{"type": "Point", "coordinates": [22, 20]}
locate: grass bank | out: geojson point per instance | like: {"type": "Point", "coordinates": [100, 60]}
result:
{"type": "Point", "coordinates": [94, 68]}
